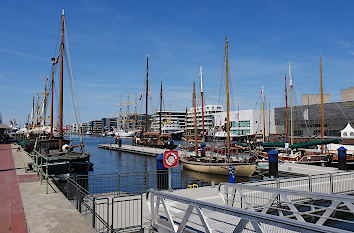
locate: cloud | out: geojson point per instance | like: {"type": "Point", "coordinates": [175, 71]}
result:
{"type": "Point", "coordinates": [22, 54]}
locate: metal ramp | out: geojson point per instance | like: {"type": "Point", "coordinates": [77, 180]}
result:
{"type": "Point", "coordinates": [320, 209]}
{"type": "Point", "coordinates": [172, 213]}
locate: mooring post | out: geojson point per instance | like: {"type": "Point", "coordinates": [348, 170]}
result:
{"type": "Point", "coordinates": [342, 158]}
{"type": "Point", "coordinates": [273, 163]}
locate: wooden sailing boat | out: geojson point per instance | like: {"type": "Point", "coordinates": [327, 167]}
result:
{"type": "Point", "coordinates": [153, 139]}
{"type": "Point", "coordinates": [242, 163]}
{"type": "Point", "coordinates": [66, 159]}
{"type": "Point", "coordinates": [298, 153]}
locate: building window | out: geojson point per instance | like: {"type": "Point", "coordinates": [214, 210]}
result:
{"type": "Point", "coordinates": [345, 134]}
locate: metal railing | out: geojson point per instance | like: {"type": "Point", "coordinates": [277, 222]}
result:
{"type": "Point", "coordinates": [127, 213]}
{"type": "Point", "coordinates": [96, 210]}
{"type": "Point", "coordinates": [335, 210]}
{"type": "Point", "coordinates": [132, 183]}
{"type": "Point", "coordinates": [111, 213]}
{"type": "Point", "coordinates": [38, 161]}
{"type": "Point", "coordinates": [340, 182]}
{"type": "Point", "coordinates": [172, 213]}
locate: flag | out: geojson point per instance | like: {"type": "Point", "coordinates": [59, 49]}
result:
{"type": "Point", "coordinates": [141, 96]}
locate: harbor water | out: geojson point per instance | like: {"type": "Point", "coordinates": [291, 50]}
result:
{"type": "Point", "coordinates": [108, 162]}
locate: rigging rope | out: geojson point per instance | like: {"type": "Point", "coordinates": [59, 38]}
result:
{"type": "Point", "coordinates": [73, 92]}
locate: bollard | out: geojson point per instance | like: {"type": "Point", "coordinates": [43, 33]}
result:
{"type": "Point", "coordinates": [342, 158]}
{"type": "Point", "coordinates": [273, 163]}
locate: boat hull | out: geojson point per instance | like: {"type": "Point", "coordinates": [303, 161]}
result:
{"type": "Point", "coordinates": [241, 169]}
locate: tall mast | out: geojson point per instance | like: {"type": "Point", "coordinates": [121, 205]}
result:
{"type": "Point", "coordinates": [186, 127]}
{"type": "Point", "coordinates": [286, 112]}
{"type": "Point", "coordinates": [195, 121]}
{"type": "Point", "coordinates": [127, 122]}
{"type": "Point", "coordinates": [227, 97]}
{"type": "Point", "coordinates": [147, 93]}
{"type": "Point", "coordinates": [61, 82]}
{"type": "Point", "coordinates": [121, 114]}
{"type": "Point", "coordinates": [263, 118]}
{"type": "Point", "coordinates": [37, 109]}
{"type": "Point", "coordinates": [135, 111]}
{"type": "Point", "coordinates": [45, 101]}
{"type": "Point", "coordinates": [160, 107]}
{"type": "Point", "coordinates": [52, 101]}
{"type": "Point", "coordinates": [202, 95]}
{"type": "Point", "coordinates": [32, 113]}
{"type": "Point", "coordinates": [321, 105]}
{"type": "Point", "coordinates": [291, 105]}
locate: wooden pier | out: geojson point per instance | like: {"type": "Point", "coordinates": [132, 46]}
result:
{"type": "Point", "coordinates": [133, 149]}
{"type": "Point", "coordinates": [148, 151]}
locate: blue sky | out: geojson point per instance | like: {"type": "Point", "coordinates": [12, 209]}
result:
{"type": "Point", "coordinates": [109, 40]}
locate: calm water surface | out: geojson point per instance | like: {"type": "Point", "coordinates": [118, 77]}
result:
{"type": "Point", "coordinates": [109, 161]}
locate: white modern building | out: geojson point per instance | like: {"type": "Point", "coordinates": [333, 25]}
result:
{"type": "Point", "coordinates": [209, 112]}
{"type": "Point", "coordinates": [172, 121]}
{"type": "Point", "coordinates": [75, 127]}
{"type": "Point", "coordinates": [245, 122]}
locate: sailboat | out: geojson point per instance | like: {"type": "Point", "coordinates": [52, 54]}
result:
{"type": "Point", "coordinates": [66, 159]}
{"type": "Point", "coordinates": [297, 152]}
{"type": "Point", "coordinates": [243, 163]}
{"type": "Point", "coordinates": [124, 128]}
{"type": "Point", "coordinates": [153, 139]}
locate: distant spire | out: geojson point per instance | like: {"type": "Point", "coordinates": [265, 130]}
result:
{"type": "Point", "coordinates": [62, 12]}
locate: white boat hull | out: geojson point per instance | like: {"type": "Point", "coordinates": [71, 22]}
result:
{"type": "Point", "coordinates": [241, 169]}
{"type": "Point", "coordinates": [124, 134]}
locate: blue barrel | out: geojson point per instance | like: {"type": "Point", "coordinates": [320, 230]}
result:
{"type": "Point", "coordinates": [342, 158]}
{"type": "Point", "coordinates": [273, 163]}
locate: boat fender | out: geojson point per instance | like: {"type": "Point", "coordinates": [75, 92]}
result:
{"type": "Point", "coordinates": [65, 147]}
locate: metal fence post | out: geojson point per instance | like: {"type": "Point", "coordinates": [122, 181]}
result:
{"type": "Point", "coordinates": [310, 183]}
{"type": "Point", "coordinates": [169, 180]}
{"type": "Point", "coordinates": [94, 212]}
{"type": "Point", "coordinates": [41, 171]}
{"type": "Point", "coordinates": [147, 181]}
{"type": "Point", "coordinates": [46, 176]}
{"type": "Point", "coordinates": [112, 217]}
{"type": "Point", "coordinates": [331, 181]}
{"type": "Point", "coordinates": [79, 201]}
{"type": "Point", "coordinates": [77, 196]}
{"type": "Point", "coordinates": [141, 211]}
{"type": "Point", "coordinates": [277, 183]}
{"type": "Point", "coordinates": [67, 189]}
{"type": "Point", "coordinates": [118, 190]}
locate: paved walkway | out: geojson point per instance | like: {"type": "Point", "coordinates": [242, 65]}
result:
{"type": "Point", "coordinates": [24, 205]}
{"type": "Point", "coordinates": [12, 218]}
